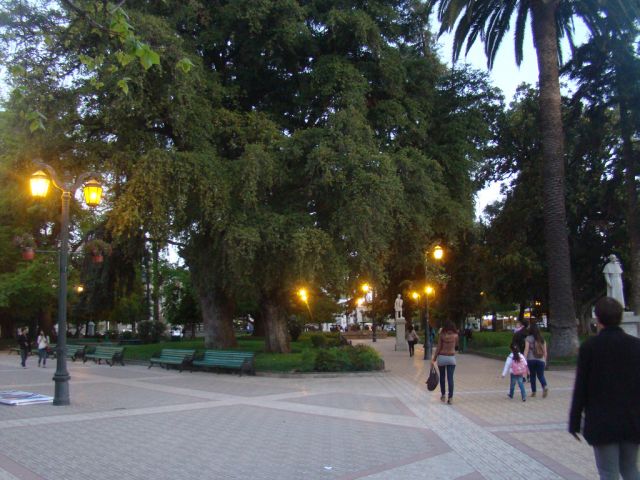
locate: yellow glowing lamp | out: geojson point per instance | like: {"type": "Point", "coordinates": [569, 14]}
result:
{"type": "Point", "coordinates": [415, 295]}
{"type": "Point", "coordinates": [360, 301]}
{"type": "Point", "coordinates": [39, 184]}
{"type": "Point", "coordinates": [365, 287]}
{"type": "Point", "coordinates": [92, 192]}
{"type": "Point", "coordinates": [438, 252]}
{"type": "Point", "coordinates": [79, 288]}
{"type": "Point", "coordinates": [302, 293]}
{"type": "Point", "coordinates": [429, 290]}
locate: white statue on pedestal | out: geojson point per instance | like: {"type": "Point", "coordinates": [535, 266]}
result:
{"type": "Point", "coordinates": [398, 307]}
{"type": "Point", "coordinates": [613, 276]}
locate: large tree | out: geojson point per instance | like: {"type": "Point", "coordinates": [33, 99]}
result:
{"type": "Point", "coordinates": [550, 21]}
{"type": "Point", "coordinates": [607, 70]}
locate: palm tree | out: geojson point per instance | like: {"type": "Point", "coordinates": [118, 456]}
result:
{"type": "Point", "coordinates": [550, 21]}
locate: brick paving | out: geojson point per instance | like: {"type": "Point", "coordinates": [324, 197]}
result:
{"type": "Point", "coordinates": [134, 423]}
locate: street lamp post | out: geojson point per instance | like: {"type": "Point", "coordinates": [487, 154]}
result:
{"type": "Point", "coordinates": [438, 254]}
{"type": "Point", "coordinates": [40, 182]}
{"type": "Point", "coordinates": [304, 296]}
{"type": "Point", "coordinates": [366, 289]}
{"type": "Point", "coordinates": [428, 290]}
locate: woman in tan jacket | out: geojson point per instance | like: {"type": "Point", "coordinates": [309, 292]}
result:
{"type": "Point", "coordinates": [445, 355]}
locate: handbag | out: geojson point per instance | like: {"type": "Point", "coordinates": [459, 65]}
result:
{"type": "Point", "coordinates": [433, 380]}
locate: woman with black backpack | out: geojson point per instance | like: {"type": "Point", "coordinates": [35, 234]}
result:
{"type": "Point", "coordinates": [535, 351]}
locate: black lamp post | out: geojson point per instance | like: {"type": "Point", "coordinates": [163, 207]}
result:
{"type": "Point", "coordinates": [40, 182]}
{"type": "Point", "coordinates": [438, 254]}
{"type": "Point", "coordinates": [366, 289]}
{"type": "Point", "coordinates": [428, 290]}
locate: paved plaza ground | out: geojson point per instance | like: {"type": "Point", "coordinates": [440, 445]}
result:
{"type": "Point", "coordinates": [134, 423]}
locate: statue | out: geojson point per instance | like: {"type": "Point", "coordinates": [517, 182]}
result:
{"type": "Point", "coordinates": [613, 276]}
{"type": "Point", "coordinates": [398, 307]}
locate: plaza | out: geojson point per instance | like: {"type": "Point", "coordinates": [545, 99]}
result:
{"type": "Point", "coordinates": [137, 423]}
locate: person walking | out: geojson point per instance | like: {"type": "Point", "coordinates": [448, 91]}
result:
{"type": "Point", "coordinates": [445, 355]}
{"type": "Point", "coordinates": [412, 339]}
{"type": "Point", "coordinates": [520, 334]}
{"type": "Point", "coordinates": [535, 351]}
{"type": "Point", "coordinates": [23, 343]}
{"type": "Point", "coordinates": [516, 364]}
{"type": "Point", "coordinates": [607, 391]}
{"type": "Point", "coordinates": [43, 345]}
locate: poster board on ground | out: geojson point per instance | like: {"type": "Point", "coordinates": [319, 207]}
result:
{"type": "Point", "coordinates": [18, 397]}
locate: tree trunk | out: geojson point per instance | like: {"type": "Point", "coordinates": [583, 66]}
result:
{"type": "Point", "coordinates": [216, 306]}
{"type": "Point", "coordinates": [276, 338]}
{"type": "Point", "coordinates": [155, 292]}
{"type": "Point", "coordinates": [562, 318]}
{"type": "Point", "coordinates": [217, 318]}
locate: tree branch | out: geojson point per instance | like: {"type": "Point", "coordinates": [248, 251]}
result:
{"type": "Point", "coordinates": [85, 14]}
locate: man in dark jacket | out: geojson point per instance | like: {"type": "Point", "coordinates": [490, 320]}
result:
{"type": "Point", "coordinates": [23, 343]}
{"type": "Point", "coordinates": [607, 390]}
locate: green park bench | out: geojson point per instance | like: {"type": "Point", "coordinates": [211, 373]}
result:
{"type": "Point", "coordinates": [108, 354]}
{"type": "Point", "coordinates": [173, 356]}
{"type": "Point", "coordinates": [74, 351]}
{"type": "Point", "coordinates": [227, 359]}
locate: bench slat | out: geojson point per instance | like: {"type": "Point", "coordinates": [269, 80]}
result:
{"type": "Point", "coordinates": [109, 354]}
{"type": "Point", "coordinates": [231, 359]}
{"type": "Point", "coordinates": [173, 356]}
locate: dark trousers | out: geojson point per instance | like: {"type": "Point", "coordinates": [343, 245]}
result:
{"type": "Point", "coordinates": [536, 368]}
{"type": "Point", "coordinates": [412, 347]}
{"type": "Point", "coordinates": [449, 369]}
{"type": "Point", "coordinates": [23, 356]}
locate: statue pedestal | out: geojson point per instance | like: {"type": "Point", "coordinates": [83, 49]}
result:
{"type": "Point", "coordinates": [631, 324]}
{"type": "Point", "coordinates": [401, 343]}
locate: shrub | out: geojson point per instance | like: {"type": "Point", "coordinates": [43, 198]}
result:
{"type": "Point", "coordinates": [126, 335]}
{"type": "Point", "coordinates": [363, 357]}
{"type": "Point", "coordinates": [295, 328]}
{"type": "Point", "coordinates": [332, 360]}
{"type": "Point", "coordinates": [151, 332]}
{"type": "Point", "coordinates": [308, 360]}
{"type": "Point", "coordinates": [318, 340]}
{"type": "Point", "coordinates": [347, 358]}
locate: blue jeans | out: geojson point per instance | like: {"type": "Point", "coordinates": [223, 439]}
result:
{"type": "Point", "coordinates": [42, 356]}
{"type": "Point", "coordinates": [512, 386]}
{"type": "Point", "coordinates": [536, 368]}
{"type": "Point", "coordinates": [449, 369]}
{"type": "Point", "coordinates": [23, 356]}
{"type": "Point", "coordinates": [614, 459]}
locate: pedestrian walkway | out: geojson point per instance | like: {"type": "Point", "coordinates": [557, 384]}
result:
{"type": "Point", "coordinates": [134, 423]}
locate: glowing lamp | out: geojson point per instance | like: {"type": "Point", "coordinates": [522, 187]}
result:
{"type": "Point", "coordinates": [438, 253]}
{"type": "Point", "coordinates": [39, 182]}
{"type": "Point", "coordinates": [92, 193]}
{"type": "Point", "coordinates": [302, 293]}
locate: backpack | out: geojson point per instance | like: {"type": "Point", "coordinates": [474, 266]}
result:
{"type": "Point", "coordinates": [519, 368]}
{"type": "Point", "coordinates": [538, 349]}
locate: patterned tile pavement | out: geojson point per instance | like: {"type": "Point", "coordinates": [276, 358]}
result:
{"type": "Point", "coordinates": [134, 423]}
